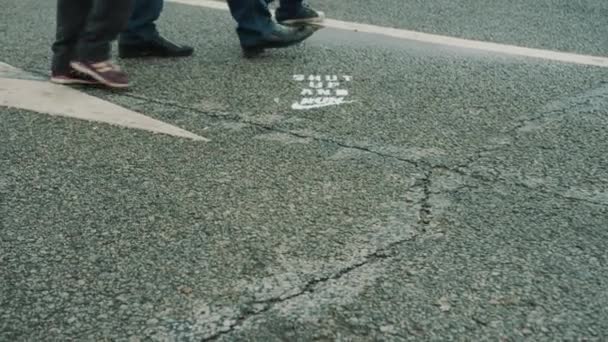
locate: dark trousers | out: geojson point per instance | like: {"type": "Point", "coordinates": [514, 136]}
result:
{"type": "Point", "coordinates": [288, 4]}
{"type": "Point", "coordinates": [141, 25]}
{"type": "Point", "coordinates": [254, 19]}
{"type": "Point", "coordinates": [252, 16]}
{"type": "Point", "coordinates": [86, 29]}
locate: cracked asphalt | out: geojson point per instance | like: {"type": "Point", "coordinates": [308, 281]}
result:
{"type": "Point", "coordinates": [460, 196]}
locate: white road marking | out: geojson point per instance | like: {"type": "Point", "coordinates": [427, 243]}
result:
{"type": "Point", "coordinates": [440, 40]}
{"type": "Point", "coordinates": [299, 106]}
{"type": "Point", "coordinates": [44, 97]}
{"type": "Point", "coordinates": [203, 3]}
{"type": "Point", "coordinates": [9, 71]}
{"type": "Point", "coordinates": [7, 68]}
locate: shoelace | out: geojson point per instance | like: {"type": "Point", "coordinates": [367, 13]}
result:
{"type": "Point", "coordinates": [105, 67]}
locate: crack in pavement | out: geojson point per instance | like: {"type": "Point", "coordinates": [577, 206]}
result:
{"type": "Point", "coordinates": [460, 168]}
{"type": "Point", "coordinates": [310, 287]}
{"type": "Point", "coordinates": [559, 106]}
{"type": "Point", "coordinates": [588, 102]}
{"type": "Point", "coordinates": [570, 106]}
{"type": "Point", "coordinates": [499, 178]}
{"type": "Point", "coordinates": [424, 215]}
{"type": "Point", "coordinates": [561, 195]}
{"type": "Point", "coordinates": [239, 119]}
{"type": "Point", "coordinates": [254, 308]}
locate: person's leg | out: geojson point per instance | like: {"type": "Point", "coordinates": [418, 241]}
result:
{"type": "Point", "coordinates": [253, 19]}
{"type": "Point", "coordinates": [141, 26]}
{"type": "Point", "coordinates": [105, 21]}
{"type": "Point", "coordinates": [290, 4]}
{"type": "Point", "coordinates": [257, 31]}
{"type": "Point", "coordinates": [296, 12]}
{"type": "Point", "coordinates": [71, 20]}
{"type": "Point", "coordinates": [142, 39]}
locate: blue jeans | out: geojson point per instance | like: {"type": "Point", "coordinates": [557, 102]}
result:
{"type": "Point", "coordinates": [254, 19]}
{"type": "Point", "coordinates": [141, 27]}
{"type": "Point", "coordinates": [252, 16]}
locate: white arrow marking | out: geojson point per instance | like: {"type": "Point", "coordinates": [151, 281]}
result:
{"type": "Point", "coordinates": [439, 40]}
{"type": "Point", "coordinates": [45, 97]}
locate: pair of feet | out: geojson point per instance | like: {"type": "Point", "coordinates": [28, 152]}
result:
{"type": "Point", "coordinates": [292, 28]}
{"type": "Point", "coordinates": [108, 74]}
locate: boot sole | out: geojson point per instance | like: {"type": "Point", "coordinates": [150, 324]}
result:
{"type": "Point", "coordinates": [312, 22]}
{"type": "Point", "coordinates": [256, 50]}
{"type": "Point", "coordinates": [149, 54]}
{"type": "Point", "coordinates": [316, 21]}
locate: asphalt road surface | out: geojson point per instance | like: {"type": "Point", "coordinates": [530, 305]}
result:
{"type": "Point", "coordinates": [434, 193]}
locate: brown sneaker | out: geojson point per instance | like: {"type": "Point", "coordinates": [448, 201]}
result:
{"type": "Point", "coordinates": [72, 77]}
{"type": "Point", "coordinates": [104, 72]}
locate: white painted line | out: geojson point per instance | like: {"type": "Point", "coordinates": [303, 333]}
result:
{"type": "Point", "coordinates": [10, 71]}
{"type": "Point", "coordinates": [471, 44]}
{"type": "Point", "coordinates": [440, 40]}
{"type": "Point", "coordinates": [7, 68]}
{"type": "Point", "coordinates": [48, 98]}
{"type": "Point", "coordinates": [203, 3]}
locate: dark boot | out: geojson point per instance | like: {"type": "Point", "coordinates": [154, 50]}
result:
{"type": "Point", "coordinates": [156, 47]}
{"type": "Point", "coordinates": [141, 37]}
{"type": "Point", "coordinates": [280, 37]}
{"type": "Point", "coordinates": [296, 13]}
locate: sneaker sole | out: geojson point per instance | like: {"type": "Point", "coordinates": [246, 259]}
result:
{"type": "Point", "coordinates": [79, 67]}
{"type": "Point", "coordinates": [257, 50]}
{"type": "Point", "coordinates": [66, 81]}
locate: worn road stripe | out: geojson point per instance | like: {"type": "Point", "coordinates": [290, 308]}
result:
{"type": "Point", "coordinates": [440, 40]}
